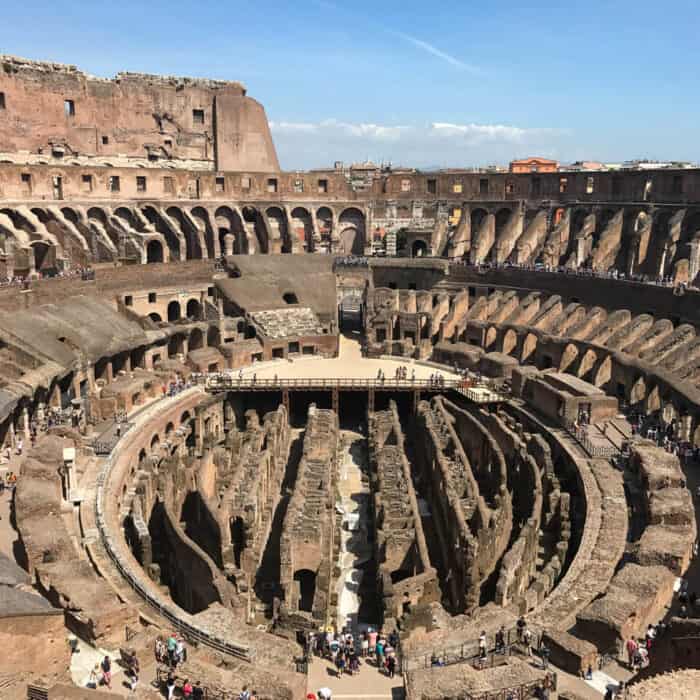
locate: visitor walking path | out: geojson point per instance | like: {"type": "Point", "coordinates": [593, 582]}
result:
{"type": "Point", "coordinates": [355, 549]}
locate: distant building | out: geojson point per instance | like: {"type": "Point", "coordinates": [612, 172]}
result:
{"type": "Point", "coordinates": [580, 165]}
{"type": "Point", "coordinates": [534, 165]}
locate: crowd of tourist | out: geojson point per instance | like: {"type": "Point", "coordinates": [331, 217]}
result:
{"type": "Point", "coordinates": [82, 273]}
{"type": "Point", "coordinates": [352, 261]}
{"type": "Point", "coordinates": [348, 652]}
{"type": "Point", "coordinates": [614, 274]}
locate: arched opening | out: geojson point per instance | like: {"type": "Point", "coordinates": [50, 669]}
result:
{"type": "Point", "coordinates": [529, 348]}
{"type": "Point", "coordinates": [174, 311]}
{"type": "Point", "coordinates": [588, 361]}
{"type": "Point", "coordinates": [510, 341]}
{"type": "Point", "coordinates": [502, 219]}
{"type": "Point", "coordinates": [290, 298]}
{"type": "Point", "coordinates": [193, 310]}
{"type": "Point", "coordinates": [419, 249]}
{"type": "Point", "coordinates": [307, 589]}
{"type": "Point", "coordinates": [604, 373]}
{"type": "Point", "coordinates": [490, 340]}
{"type": "Point", "coordinates": [238, 539]}
{"type": "Point", "coordinates": [213, 337]}
{"type": "Point", "coordinates": [324, 224]}
{"type": "Point", "coordinates": [155, 317]}
{"type": "Point", "coordinates": [176, 345]}
{"type": "Point", "coordinates": [201, 216]}
{"type": "Point", "coordinates": [477, 217]}
{"type": "Point", "coordinates": [352, 227]}
{"type": "Point", "coordinates": [169, 429]}
{"type": "Point", "coordinates": [252, 216]}
{"type": "Point", "coordinates": [196, 340]}
{"type": "Point", "coordinates": [277, 226]}
{"type": "Point", "coordinates": [193, 246]}
{"type": "Point", "coordinates": [302, 228]}
{"type": "Point", "coordinates": [155, 441]}
{"type": "Point", "coordinates": [154, 252]}
{"type": "Point", "coordinates": [568, 357]}
{"type": "Point", "coordinates": [44, 257]}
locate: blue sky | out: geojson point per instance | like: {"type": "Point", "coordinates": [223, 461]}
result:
{"type": "Point", "coordinates": [414, 82]}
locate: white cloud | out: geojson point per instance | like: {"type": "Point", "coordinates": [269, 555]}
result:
{"type": "Point", "coordinates": [318, 144]}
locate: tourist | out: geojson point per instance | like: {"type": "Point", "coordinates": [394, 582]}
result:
{"type": "Point", "coordinates": [244, 694]}
{"type": "Point", "coordinates": [353, 663]}
{"type": "Point", "coordinates": [20, 446]}
{"type": "Point", "coordinates": [161, 651]}
{"type": "Point", "coordinates": [520, 627]}
{"type": "Point", "coordinates": [364, 645]}
{"type": "Point", "coordinates": [94, 678]}
{"type": "Point", "coordinates": [631, 647]}
{"type": "Point", "coordinates": [391, 665]}
{"type": "Point", "coordinates": [501, 640]}
{"type": "Point", "coordinates": [482, 644]}
{"type": "Point", "coordinates": [180, 651]}
{"type": "Point", "coordinates": [324, 694]}
{"type": "Point", "coordinates": [197, 692]}
{"type": "Point", "coordinates": [544, 655]}
{"type": "Point", "coordinates": [106, 667]}
{"type": "Point", "coordinates": [379, 651]}
{"type": "Point", "coordinates": [172, 649]}
{"type": "Point", "coordinates": [187, 689]}
{"type": "Point", "coordinates": [170, 685]}
{"type": "Point", "coordinates": [650, 635]}
{"type": "Point", "coordinates": [372, 638]}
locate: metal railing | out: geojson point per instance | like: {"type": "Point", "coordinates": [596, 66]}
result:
{"type": "Point", "coordinates": [468, 652]}
{"type": "Point", "coordinates": [579, 433]}
{"type": "Point", "coordinates": [523, 691]}
{"type": "Point", "coordinates": [227, 382]}
{"type": "Point", "coordinates": [172, 615]}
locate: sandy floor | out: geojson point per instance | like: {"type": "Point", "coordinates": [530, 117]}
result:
{"type": "Point", "coordinates": [349, 365]}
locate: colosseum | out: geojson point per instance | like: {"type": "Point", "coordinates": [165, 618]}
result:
{"type": "Point", "coordinates": [375, 433]}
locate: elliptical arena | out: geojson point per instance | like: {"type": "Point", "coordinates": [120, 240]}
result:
{"type": "Point", "coordinates": [233, 413]}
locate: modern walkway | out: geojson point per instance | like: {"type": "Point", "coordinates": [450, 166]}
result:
{"type": "Point", "coordinates": [355, 549]}
{"type": "Point", "coordinates": [369, 682]}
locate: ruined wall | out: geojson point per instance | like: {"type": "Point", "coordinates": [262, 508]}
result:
{"type": "Point", "coordinates": [407, 578]}
{"type": "Point", "coordinates": [56, 111]}
{"type": "Point", "coordinates": [309, 525]}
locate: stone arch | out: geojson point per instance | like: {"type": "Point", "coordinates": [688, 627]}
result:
{"type": "Point", "coordinates": [653, 401]}
{"type": "Point", "coordinates": [202, 215]}
{"type": "Point", "coordinates": [510, 341]}
{"type": "Point", "coordinates": [154, 252]}
{"type": "Point", "coordinates": [351, 224]}
{"type": "Point", "coordinates": [604, 372]}
{"type": "Point", "coordinates": [502, 218]}
{"type": "Point", "coordinates": [155, 317]}
{"type": "Point", "coordinates": [490, 338]}
{"type": "Point", "coordinates": [213, 336]}
{"type": "Point", "coordinates": [251, 215]}
{"type": "Point", "coordinates": [196, 339]}
{"type": "Point", "coordinates": [668, 411]}
{"type": "Point", "coordinates": [193, 245]}
{"type": "Point", "coordinates": [193, 310]}
{"type": "Point", "coordinates": [169, 429]}
{"type": "Point", "coordinates": [419, 249]}
{"type": "Point", "coordinates": [231, 235]}
{"type": "Point", "coordinates": [44, 256]}
{"type": "Point", "coordinates": [477, 218]}
{"type": "Point", "coordinates": [176, 345]}
{"type": "Point", "coordinates": [529, 347]}
{"type": "Point", "coordinates": [174, 311]}
{"type": "Point", "coordinates": [638, 391]}
{"type": "Point", "coordinates": [568, 357]}
{"type": "Point", "coordinates": [303, 228]}
{"type": "Point", "coordinates": [155, 442]}
{"type": "Point", "coordinates": [587, 364]}
{"type": "Point", "coordinates": [171, 240]}
{"type": "Point", "coordinates": [696, 436]}
{"type": "Point", "coordinates": [324, 225]}
{"type": "Point", "coordinates": [277, 220]}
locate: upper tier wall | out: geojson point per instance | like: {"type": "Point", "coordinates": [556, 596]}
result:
{"type": "Point", "coordinates": [257, 179]}
{"type": "Point", "coordinates": [52, 108]}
